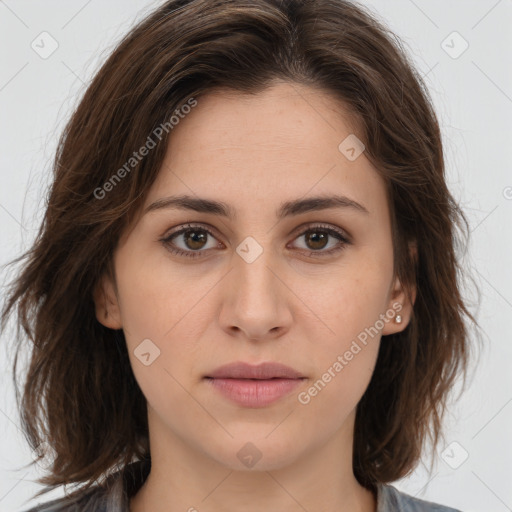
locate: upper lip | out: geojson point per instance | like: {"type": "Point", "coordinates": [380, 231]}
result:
{"type": "Point", "coordinates": [241, 370]}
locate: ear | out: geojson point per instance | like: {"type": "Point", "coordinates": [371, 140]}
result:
{"type": "Point", "coordinates": [402, 298]}
{"type": "Point", "coordinates": [106, 303]}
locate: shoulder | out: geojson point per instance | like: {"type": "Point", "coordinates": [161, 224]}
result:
{"type": "Point", "coordinates": [90, 501]}
{"type": "Point", "coordinates": [113, 495]}
{"type": "Point", "coordinates": [94, 500]}
{"type": "Point", "coordinates": [390, 499]}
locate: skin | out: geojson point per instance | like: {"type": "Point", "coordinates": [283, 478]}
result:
{"type": "Point", "coordinates": [253, 153]}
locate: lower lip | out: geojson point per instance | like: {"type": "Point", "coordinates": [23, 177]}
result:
{"type": "Point", "coordinates": [254, 393]}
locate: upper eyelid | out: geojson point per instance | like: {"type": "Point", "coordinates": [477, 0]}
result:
{"type": "Point", "coordinates": [189, 225]}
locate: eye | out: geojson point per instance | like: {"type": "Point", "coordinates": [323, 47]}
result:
{"type": "Point", "coordinates": [318, 237]}
{"type": "Point", "coordinates": [193, 241]}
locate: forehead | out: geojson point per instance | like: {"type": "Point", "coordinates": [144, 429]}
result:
{"type": "Point", "coordinates": [284, 116]}
{"type": "Point", "coordinates": [281, 143]}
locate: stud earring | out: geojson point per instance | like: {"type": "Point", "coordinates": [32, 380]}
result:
{"type": "Point", "coordinates": [398, 319]}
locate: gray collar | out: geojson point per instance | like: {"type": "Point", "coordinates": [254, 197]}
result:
{"type": "Point", "coordinates": [114, 494]}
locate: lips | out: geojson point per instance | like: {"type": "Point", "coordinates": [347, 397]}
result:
{"type": "Point", "coordinates": [254, 386]}
{"type": "Point", "coordinates": [241, 370]}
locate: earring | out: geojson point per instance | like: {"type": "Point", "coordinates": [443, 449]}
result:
{"type": "Point", "coordinates": [398, 319]}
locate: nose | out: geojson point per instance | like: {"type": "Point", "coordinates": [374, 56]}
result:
{"type": "Point", "coordinates": [256, 301]}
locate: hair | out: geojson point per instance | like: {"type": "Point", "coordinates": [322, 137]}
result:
{"type": "Point", "coordinates": [80, 397]}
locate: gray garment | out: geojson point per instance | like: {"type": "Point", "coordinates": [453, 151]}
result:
{"type": "Point", "coordinates": [114, 496]}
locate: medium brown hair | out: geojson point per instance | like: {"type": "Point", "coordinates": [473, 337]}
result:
{"type": "Point", "coordinates": [80, 395]}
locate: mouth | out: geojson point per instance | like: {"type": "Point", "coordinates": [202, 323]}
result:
{"type": "Point", "coordinates": [266, 371]}
{"type": "Point", "coordinates": [254, 386]}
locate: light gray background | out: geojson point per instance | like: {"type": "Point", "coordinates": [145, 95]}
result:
{"type": "Point", "coordinates": [473, 97]}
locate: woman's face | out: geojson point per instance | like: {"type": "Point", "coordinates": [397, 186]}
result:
{"type": "Point", "coordinates": [279, 278]}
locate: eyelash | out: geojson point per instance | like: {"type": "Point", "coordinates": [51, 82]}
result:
{"type": "Point", "coordinates": [336, 233]}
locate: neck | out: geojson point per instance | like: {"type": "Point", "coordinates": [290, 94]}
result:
{"type": "Point", "coordinates": [182, 478]}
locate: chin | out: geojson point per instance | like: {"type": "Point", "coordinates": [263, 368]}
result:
{"type": "Point", "coordinates": [253, 452]}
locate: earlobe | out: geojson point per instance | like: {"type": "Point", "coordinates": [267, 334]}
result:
{"type": "Point", "coordinates": [400, 308]}
{"type": "Point", "coordinates": [106, 304]}
{"type": "Point", "coordinates": [402, 299]}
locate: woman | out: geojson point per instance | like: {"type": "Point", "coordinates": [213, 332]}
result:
{"type": "Point", "coordinates": [244, 294]}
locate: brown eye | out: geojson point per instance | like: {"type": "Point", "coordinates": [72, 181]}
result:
{"type": "Point", "coordinates": [195, 238]}
{"type": "Point", "coordinates": [317, 239]}
{"type": "Point", "coordinates": [190, 241]}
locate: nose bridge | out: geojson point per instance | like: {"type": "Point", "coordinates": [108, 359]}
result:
{"type": "Point", "coordinates": [254, 280]}
{"type": "Point", "coordinates": [257, 302]}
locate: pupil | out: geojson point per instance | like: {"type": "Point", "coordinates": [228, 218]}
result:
{"type": "Point", "coordinates": [318, 237]}
{"type": "Point", "coordinates": [197, 240]}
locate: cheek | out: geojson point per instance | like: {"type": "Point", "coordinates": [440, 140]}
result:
{"type": "Point", "coordinates": [333, 396]}
{"type": "Point", "coordinates": [348, 301]}
{"type": "Point", "coordinates": [164, 314]}
{"type": "Point", "coordinates": [347, 332]}
{"type": "Point", "coordinates": [345, 358]}
{"type": "Point", "coordinates": [157, 296]}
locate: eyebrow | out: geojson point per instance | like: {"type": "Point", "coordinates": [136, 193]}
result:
{"type": "Point", "coordinates": [287, 209]}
